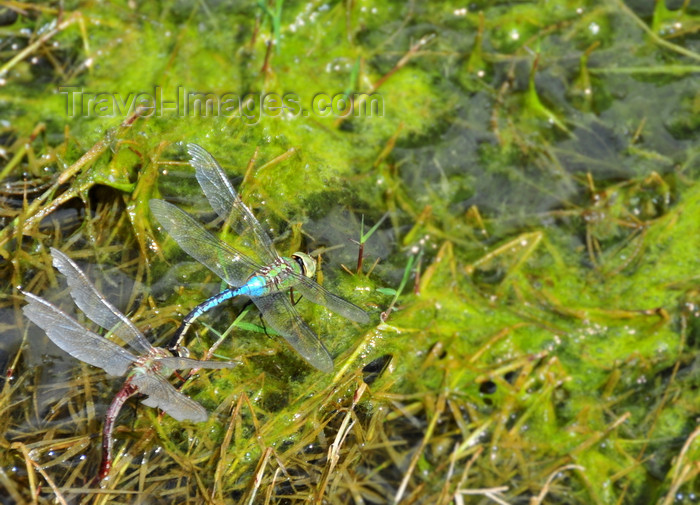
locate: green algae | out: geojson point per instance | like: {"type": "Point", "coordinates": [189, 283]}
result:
{"type": "Point", "coordinates": [538, 163]}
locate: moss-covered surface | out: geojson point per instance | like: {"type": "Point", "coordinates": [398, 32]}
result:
{"type": "Point", "coordinates": [538, 164]}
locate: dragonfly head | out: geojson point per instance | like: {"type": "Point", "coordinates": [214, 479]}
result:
{"type": "Point", "coordinates": [180, 351]}
{"type": "Point", "coordinates": [306, 262]}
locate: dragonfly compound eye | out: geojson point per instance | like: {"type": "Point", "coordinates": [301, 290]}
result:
{"type": "Point", "coordinates": [306, 262]}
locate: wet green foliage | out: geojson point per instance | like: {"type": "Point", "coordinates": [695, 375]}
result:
{"type": "Point", "coordinates": [534, 289]}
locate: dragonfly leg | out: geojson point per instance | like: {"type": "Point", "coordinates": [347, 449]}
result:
{"type": "Point", "coordinates": [291, 297]}
{"type": "Point", "coordinates": [262, 323]}
{"type": "Point", "coordinates": [200, 309]}
{"type": "Point", "coordinates": [128, 390]}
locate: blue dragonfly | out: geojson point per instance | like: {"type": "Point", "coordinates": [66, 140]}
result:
{"type": "Point", "coordinates": [145, 374]}
{"type": "Point", "coordinates": [253, 268]}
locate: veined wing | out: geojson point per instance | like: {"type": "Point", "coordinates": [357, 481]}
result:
{"type": "Point", "coordinates": [321, 296]}
{"type": "Point", "coordinates": [228, 205]}
{"type": "Point", "coordinates": [76, 340]}
{"type": "Point", "coordinates": [95, 306]}
{"type": "Point", "coordinates": [175, 363]}
{"type": "Point", "coordinates": [163, 395]}
{"type": "Point", "coordinates": [222, 259]}
{"type": "Point", "coordinates": [281, 316]}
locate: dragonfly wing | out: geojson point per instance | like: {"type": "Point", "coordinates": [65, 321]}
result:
{"type": "Point", "coordinates": [76, 340]}
{"type": "Point", "coordinates": [184, 363]}
{"type": "Point", "coordinates": [95, 306]}
{"type": "Point", "coordinates": [219, 257]}
{"type": "Point", "coordinates": [163, 395]}
{"type": "Point", "coordinates": [281, 316]}
{"type": "Point", "coordinates": [228, 205]}
{"type": "Point", "coordinates": [321, 296]}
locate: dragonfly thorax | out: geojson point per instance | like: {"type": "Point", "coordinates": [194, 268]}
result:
{"type": "Point", "coordinates": [279, 275]}
{"type": "Point", "coordinates": [150, 362]}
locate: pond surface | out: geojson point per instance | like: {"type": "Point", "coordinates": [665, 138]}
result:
{"type": "Point", "coordinates": [513, 197]}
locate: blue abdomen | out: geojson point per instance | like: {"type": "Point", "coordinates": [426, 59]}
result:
{"type": "Point", "coordinates": [256, 286]}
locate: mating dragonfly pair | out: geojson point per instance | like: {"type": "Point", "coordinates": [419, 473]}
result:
{"type": "Point", "coordinates": [266, 285]}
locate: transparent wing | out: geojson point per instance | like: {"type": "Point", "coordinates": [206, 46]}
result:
{"type": "Point", "coordinates": [163, 395]}
{"type": "Point", "coordinates": [76, 340]}
{"type": "Point", "coordinates": [174, 363]}
{"type": "Point", "coordinates": [321, 296]}
{"type": "Point", "coordinates": [228, 205]}
{"type": "Point", "coordinates": [95, 306]}
{"type": "Point", "coordinates": [281, 316]}
{"type": "Point", "coordinates": [219, 257]}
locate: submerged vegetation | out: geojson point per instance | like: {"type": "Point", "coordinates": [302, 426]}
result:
{"type": "Point", "coordinates": [518, 207]}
